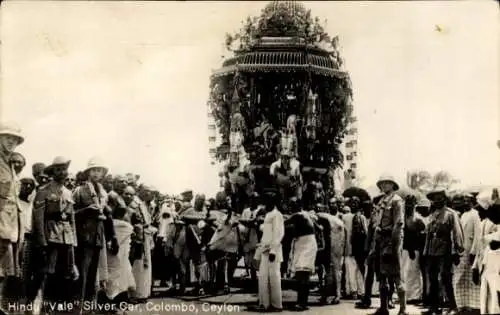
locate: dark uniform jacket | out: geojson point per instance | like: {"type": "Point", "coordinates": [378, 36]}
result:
{"type": "Point", "coordinates": [53, 216]}
{"type": "Point", "coordinates": [90, 230]}
{"type": "Point", "coordinates": [444, 234]}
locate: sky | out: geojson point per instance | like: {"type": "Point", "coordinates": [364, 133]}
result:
{"type": "Point", "coordinates": [128, 81]}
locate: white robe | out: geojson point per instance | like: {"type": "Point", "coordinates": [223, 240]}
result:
{"type": "Point", "coordinates": [354, 280]}
{"type": "Point", "coordinates": [120, 277]}
{"type": "Point", "coordinates": [411, 268]}
{"type": "Point", "coordinates": [141, 268]}
{"type": "Point", "coordinates": [303, 254]}
{"type": "Point", "coordinates": [412, 276]}
{"type": "Point", "coordinates": [273, 230]}
{"type": "Point", "coordinates": [490, 278]}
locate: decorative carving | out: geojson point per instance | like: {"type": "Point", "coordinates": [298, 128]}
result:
{"type": "Point", "coordinates": [260, 110]}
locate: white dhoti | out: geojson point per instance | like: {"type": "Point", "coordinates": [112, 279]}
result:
{"type": "Point", "coordinates": [142, 271]}
{"type": "Point", "coordinates": [354, 280]}
{"type": "Point", "coordinates": [303, 254]}
{"type": "Point", "coordinates": [270, 282]}
{"type": "Point", "coordinates": [412, 276]}
{"type": "Point", "coordinates": [120, 277]}
{"type": "Point", "coordinates": [489, 295]}
{"type": "Point", "coordinates": [490, 283]}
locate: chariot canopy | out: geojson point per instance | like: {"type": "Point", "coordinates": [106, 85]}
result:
{"type": "Point", "coordinates": [283, 89]}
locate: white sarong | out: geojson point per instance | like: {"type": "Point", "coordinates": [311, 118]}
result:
{"type": "Point", "coordinates": [412, 276]}
{"type": "Point", "coordinates": [303, 254]}
{"type": "Point", "coordinates": [142, 271]}
{"type": "Point", "coordinates": [490, 283]}
{"type": "Point", "coordinates": [120, 277]}
{"type": "Point", "coordinates": [354, 280]}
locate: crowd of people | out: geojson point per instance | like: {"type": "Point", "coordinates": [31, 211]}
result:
{"type": "Point", "coordinates": [440, 251]}
{"type": "Point", "coordinates": [66, 237]}
{"type": "Point", "coordinates": [69, 237]}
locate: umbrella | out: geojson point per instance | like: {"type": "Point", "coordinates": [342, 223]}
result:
{"type": "Point", "coordinates": [357, 192]}
{"type": "Point", "coordinates": [376, 199]}
{"type": "Point", "coordinates": [404, 192]}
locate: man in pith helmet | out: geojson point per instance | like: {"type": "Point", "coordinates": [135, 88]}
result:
{"type": "Point", "coordinates": [94, 227]}
{"type": "Point", "coordinates": [389, 244]}
{"type": "Point", "coordinates": [54, 232]}
{"type": "Point", "coordinates": [443, 246]}
{"type": "Point", "coordinates": [10, 229]}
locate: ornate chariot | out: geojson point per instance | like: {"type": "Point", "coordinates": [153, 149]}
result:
{"type": "Point", "coordinates": [283, 89]}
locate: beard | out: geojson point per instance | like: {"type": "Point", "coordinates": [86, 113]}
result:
{"type": "Point", "coordinates": [60, 177]}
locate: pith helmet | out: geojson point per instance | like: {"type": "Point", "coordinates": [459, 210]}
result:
{"type": "Point", "coordinates": [387, 178]}
{"type": "Point", "coordinates": [59, 160]}
{"type": "Point", "coordinates": [96, 162]}
{"type": "Point", "coordinates": [437, 191]}
{"type": "Point", "coordinates": [12, 129]}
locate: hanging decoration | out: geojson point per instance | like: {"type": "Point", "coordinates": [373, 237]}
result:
{"type": "Point", "coordinates": [284, 85]}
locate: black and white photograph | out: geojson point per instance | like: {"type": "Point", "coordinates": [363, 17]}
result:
{"type": "Point", "coordinates": [246, 157]}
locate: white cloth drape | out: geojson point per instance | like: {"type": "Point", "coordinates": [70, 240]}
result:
{"type": "Point", "coordinates": [303, 254]}
{"type": "Point", "coordinates": [412, 276]}
{"type": "Point", "coordinates": [120, 277]}
{"type": "Point", "coordinates": [354, 280]}
{"type": "Point", "coordinates": [270, 283]}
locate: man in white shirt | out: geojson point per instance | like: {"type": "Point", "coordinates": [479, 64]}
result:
{"type": "Point", "coordinates": [486, 267]}
{"type": "Point", "coordinates": [270, 254]}
{"type": "Point", "coordinates": [466, 292]}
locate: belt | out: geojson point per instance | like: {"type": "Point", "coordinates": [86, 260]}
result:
{"type": "Point", "coordinates": [299, 234]}
{"type": "Point", "coordinates": [56, 216]}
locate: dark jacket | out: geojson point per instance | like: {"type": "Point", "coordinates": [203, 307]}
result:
{"type": "Point", "coordinates": [90, 230]}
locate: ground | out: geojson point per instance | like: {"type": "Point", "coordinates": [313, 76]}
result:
{"type": "Point", "coordinates": [238, 302]}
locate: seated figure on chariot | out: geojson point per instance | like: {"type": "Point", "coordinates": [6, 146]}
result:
{"type": "Point", "coordinates": [239, 183]}
{"type": "Point", "coordinates": [287, 176]}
